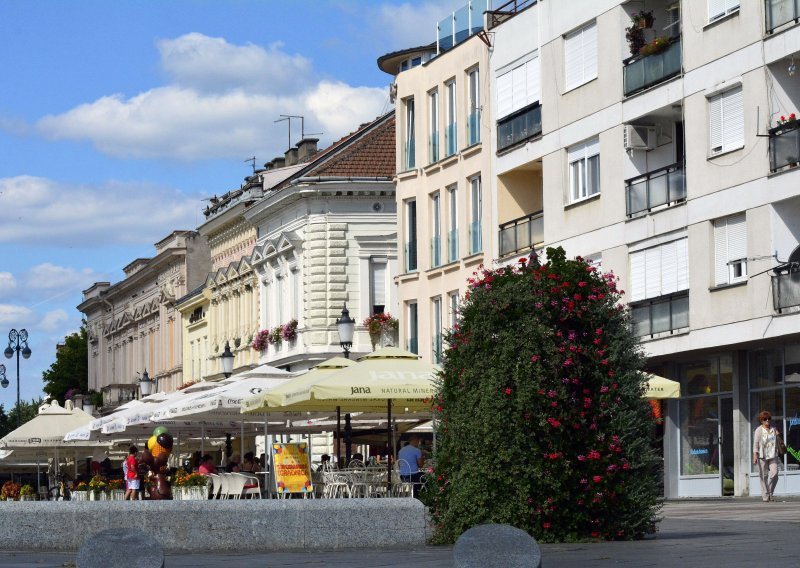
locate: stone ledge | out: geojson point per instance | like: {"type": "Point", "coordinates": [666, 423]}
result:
{"type": "Point", "coordinates": [219, 526]}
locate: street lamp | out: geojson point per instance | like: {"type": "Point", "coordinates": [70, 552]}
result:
{"type": "Point", "coordinates": [347, 327]}
{"type": "Point", "coordinates": [3, 379]}
{"type": "Point", "coordinates": [146, 384]}
{"type": "Point", "coordinates": [17, 341]}
{"type": "Point", "coordinates": [227, 360]}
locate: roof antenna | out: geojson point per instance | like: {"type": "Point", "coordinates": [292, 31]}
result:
{"type": "Point", "coordinates": [289, 118]}
{"type": "Point", "coordinates": [253, 159]}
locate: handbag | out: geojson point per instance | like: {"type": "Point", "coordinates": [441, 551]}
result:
{"type": "Point", "coordinates": [779, 445]}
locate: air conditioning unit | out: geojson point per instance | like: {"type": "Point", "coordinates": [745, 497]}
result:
{"type": "Point", "coordinates": [638, 137]}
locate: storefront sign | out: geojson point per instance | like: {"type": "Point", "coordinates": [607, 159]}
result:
{"type": "Point", "coordinates": [292, 468]}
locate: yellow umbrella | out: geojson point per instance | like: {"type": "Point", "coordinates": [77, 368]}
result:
{"type": "Point", "coordinates": [659, 387]}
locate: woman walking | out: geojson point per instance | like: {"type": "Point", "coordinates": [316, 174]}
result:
{"type": "Point", "coordinates": [765, 454]}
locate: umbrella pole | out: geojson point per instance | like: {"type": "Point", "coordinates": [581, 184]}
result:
{"type": "Point", "coordinates": [338, 435]}
{"type": "Point", "coordinates": [391, 449]}
{"type": "Point", "coordinates": [202, 439]}
{"type": "Point", "coordinates": [267, 458]}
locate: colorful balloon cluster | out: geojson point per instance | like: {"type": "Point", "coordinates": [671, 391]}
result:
{"type": "Point", "coordinates": [159, 447]}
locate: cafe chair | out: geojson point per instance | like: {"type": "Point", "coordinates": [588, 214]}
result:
{"type": "Point", "coordinates": [216, 485]}
{"type": "Point", "coordinates": [250, 485]}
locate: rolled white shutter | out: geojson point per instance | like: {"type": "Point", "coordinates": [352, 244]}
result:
{"type": "Point", "coordinates": [715, 123]}
{"type": "Point", "coordinates": [504, 92]}
{"type": "Point", "coordinates": [720, 252]}
{"type": "Point", "coordinates": [518, 95]}
{"type": "Point", "coordinates": [669, 268]}
{"type": "Point", "coordinates": [732, 119]}
{"type": "Point", "coordinates": [637, 276]}
{"type": "Point", "coordinates": [652, 260]}
{"type": "Point", "coordinates": [737, 237]}
{"type": "Point", "coordinates": [379, 284]}
{"type": "Point", "coordinates": [532, 72]}
{"type": "Point", "coordinates": [576, 152]}
{"type": "Point", "coordinates": [573, 60]}
{"type": "Point", "coordinates": [592, 147]}
{"type": "Point", "coordinates": [716, 8]}
{"type": "Point", "coordinates": [682, 254]}
{"type": "Point", "coordinates": [590, 52]}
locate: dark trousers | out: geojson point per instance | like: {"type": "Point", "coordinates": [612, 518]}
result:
{"type": "Point", "coordinates": [415, 479]}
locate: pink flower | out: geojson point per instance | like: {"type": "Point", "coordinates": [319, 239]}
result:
{"type": "Point", "coordinates": [534, 358]}
{"type": "Point", "coordinates": [597, 479]}
{"type": "Point", "coordinates": [546, 526]}
{"type": "Point", "coordinates": [508, 391]}
{"type": "Point", "coordinates": [554, 423]}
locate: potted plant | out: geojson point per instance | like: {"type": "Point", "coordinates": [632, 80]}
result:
{"type": "Point", "coordinates": [97, 488]}
{"type": "Point", "coordinates": [116, 489]}
{"type": "Point", "coordinates": [80, 491]}
{"type": "Point", "coordinates": [379, 325]}
{"type": "Point", "coordinates": [642, 19]}
{"type": "Point", "coordinates": [289, 330]}
{"type": "Point", "coordinates": [261, 340]}
{"type": "Point", "coordinates": [635, 37]}
{"type": "Point", "coordinates": [27, 493]}
{"type": "Point", "coordinates": [10, 491]}
{"type": "Point", "coordinates": [275, 335]}
{"type": "Point", "coordinates": [787, 122]}
{"type": "Point", "coordinates": [658, 45]}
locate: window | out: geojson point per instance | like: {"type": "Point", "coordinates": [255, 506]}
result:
{"type": "Point", "coordinates": [452, 299]}
{"type": "Point", "coordinates": [433, 111]}
{"type": "Point", "coordinates": [580, 56]}
{"type": "Point", "coordinates": [720, 8]}
{"type": "Point", "coordinates": [411, 236]}
{"type": "Point", "coordinates": [408, 147]}
{"type": "Point", "coordinates": [518, 88]}
{"type": "Point", "coordinates": [659, 288]}
{"type": "Point", "coordinates": [474, 118]}
{"type": "Point", "coordinates": [726, 121]}
{"type": "Point", "coordinates": [436, 230]}
{"type": "Point", "coordinates": [730, 249]}
{"type": "Point", "coordinates": [450, 132]}
{"type": "Point", "coordinates": [584, 169]}
{"type": "Point", "coordinates": [436, 319]}
{"type": "Point", "coordinates": [413, 333]}
{"type": "Point", "coordinates": [452, 234]}
{"type": "Point", "coordinates": [377, 285]}
{"type": "Point", "coordinates": [475, 240]}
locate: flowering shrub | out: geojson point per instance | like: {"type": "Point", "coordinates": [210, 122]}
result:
{"type": "Point", "coordinates": [289, 330]}
{"type": "Point", "coordinates": [658, 45]}
{"type": "Point", "coordinates": [539, 412]}
{"type": "Point", "coordinates": [116, 484]}
{"type": "Point", "coordinates": [98, 483]}
{"type": "Point", "coordinates": [27, 490]}
{"type": "Point", "coordinates": [10, 491]}
{"type": "Point", "coordinates": [275, 335]}
{"type": "Point", "coordinates": [81, 486]}
{"type": "Point", "coordinates": [783, 120]}
{"type": "Point", "coordinates": [378, 324]}
{"type": "Point", "coordinates": [183, 479]}
{"type": "Point", "coordinates": [261, 340]}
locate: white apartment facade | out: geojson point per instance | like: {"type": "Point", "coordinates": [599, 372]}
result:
{"type": "Point", "coordinates": [674, 171]}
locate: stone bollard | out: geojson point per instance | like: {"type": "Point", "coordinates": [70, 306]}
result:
{"type": "Point", "coordinates": [121, 548]}
{"type": "Point", "coordinates": [496, 545]}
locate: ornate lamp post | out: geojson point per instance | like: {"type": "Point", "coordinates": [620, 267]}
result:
{"type": "Point", "coordinates": [346, 327]}
{"type": "Point", "coordinates": [227, 361]}
{"type": "Point", "coordinates": [17, 342]}
{"type": "Point", "coordinates": [146, 384]}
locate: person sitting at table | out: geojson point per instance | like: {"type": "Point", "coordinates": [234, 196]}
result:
{"type": "Point", "coordinates": [324, 463]}
{"type": "Point", "coordinates": [233, 463]}
{"type": "Point", "coordinates": [206, 465]}
{"type": "Point", "coordinates": [357, 459]}
{"type": "Point", "coordinates": [250, 464]}
{"type": "Point", "coordinates": [411, 458]}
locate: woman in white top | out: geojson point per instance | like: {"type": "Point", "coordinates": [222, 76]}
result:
{"type": "Point", "coordinates": [765, 454]}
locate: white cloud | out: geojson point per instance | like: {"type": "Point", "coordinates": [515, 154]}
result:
{"type": "Point", "coordinates": [48, 276]}
{"type": "Point", "coordinates": [190, 120]}
{"type": "Point", "coordinates": [17, 317]}
{"type": "Point", "coordinates": [411, 25]}
{"type": "Point", "coordinates": [45, 211]}
{"type": "Point", "coordinates": [7, 283]}
{"type": "Point", "coordinates": [53, 320]}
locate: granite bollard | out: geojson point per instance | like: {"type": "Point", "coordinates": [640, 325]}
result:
{"type": "Point", "coordinates": [496, 545]}
{"type": "Point", "coordinates": [121, 548]}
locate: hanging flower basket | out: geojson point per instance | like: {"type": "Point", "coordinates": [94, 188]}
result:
{"type": "Point", "coordinates": [261, 340]}
{"type": "Point", "coordinates": [379, 325]}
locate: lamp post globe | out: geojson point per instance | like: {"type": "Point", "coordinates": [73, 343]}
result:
{"type": "Point", "coordinates": [346, 327]}
{"type": "Point", "coordinates": [146, 384]}
{"type": "Point", "coordinates": [17, 343]}
{"type": "Point", "coordinates": [3, 379]}
{"type": "Point", "coordinates": [227, 361]}
{"type": "Point", "coordinates": [9, 352]}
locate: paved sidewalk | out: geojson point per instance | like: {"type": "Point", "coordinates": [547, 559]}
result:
{"type": "Point", "coordinates": [732, 533]}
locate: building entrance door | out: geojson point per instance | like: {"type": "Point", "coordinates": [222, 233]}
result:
{"type": "Point", "coordinates": [726, 465]}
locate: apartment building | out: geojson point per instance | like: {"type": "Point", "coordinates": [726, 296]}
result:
{"type": "Point", "coordinates": [657, 139]}
{"type": "Point", "coordinates": [443, 129]}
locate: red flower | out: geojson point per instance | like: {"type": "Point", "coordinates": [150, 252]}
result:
{"type": "Point", "coordinates": [508, 390]}
{"type": "Point", "coordinates": [546, 526]}
{"type": "Point", "coordinates": [597, 479]}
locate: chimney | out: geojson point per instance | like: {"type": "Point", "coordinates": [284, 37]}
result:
{"type": "Point", "coordinates": [306, 148]}
{"type": "Point", "coordinates": [291, 156]}
{"type": "Point", "coordinates": [276, 163]}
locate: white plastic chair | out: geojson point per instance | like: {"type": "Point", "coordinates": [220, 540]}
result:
{"type": "Point", "coordinates": [216, 485]}
{"type": "Point", "coordinates": [224, 491]}
{"type": "Point", "coordinates": [401, 488]}
{"type": "Point", "coordinates": [250, 485]}
{"type": "Point", "coordinates": [235, 485]}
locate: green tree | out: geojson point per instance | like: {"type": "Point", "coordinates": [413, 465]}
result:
{"type": "Point", "coordinates": [71, 367]}
{"type": "Point", "coordinates": [540, 418]}
{"type": "Point", "coordinates": [28, 410]}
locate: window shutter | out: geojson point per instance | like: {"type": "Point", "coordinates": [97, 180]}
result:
{"type": "Point", "coordinates": [573, 60]}
{"type": "Point", "coordinates": [720, 252]}
{"type": "Point", "coordinates": [682, 253]}
{"type": "Point", "coordinates": [716, 8]}
{"type": "Point", "coordinates": [379, 284]}
{"type": "Point", "coordinates": [504, 91]}
{"type": "Point", "coordinates": [637, 276]}
{"type": "Point", "coordinates": [532, 81]}
{"type": "Point", "coordinates": [669, 268]}
{"type": "Point", "coordinates": [737, 237]}
{"type": "Point", "coordinates": [652, 261]}
{"type": "Point", "coordinates": [590, 52]}
{"type": "Point", "coordinates": [592, 147]}
{"type": "Point", "coordinates": [732, 119]}
{"type": "Point", "coordinates": [576, 152]}
{"type": "Point", "coordinates": [518, 95]}
{"type": "Point", "coordinates": [715, 123]}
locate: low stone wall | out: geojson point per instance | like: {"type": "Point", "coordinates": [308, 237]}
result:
{"type": "Point", "coordinates": [219, 526]}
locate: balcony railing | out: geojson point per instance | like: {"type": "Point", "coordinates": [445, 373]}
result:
{"type": "Point", "coordinates": [450, 145]}
{"type": "Point", "coordinates": [436, 251]}
{"type": "Point", "coordinates": [522, 234]}
{"type": "Point", "coordinates": [523, 124]}
{"type": "Point", "coordinates": [665, 313]}
{"type": "Point", "coordinates": [643, 72]}
{"type": "Point", "coordinates": [433, 147]}
{"type": "Point", "coordinates": [507, 11]}
{"type": "Point", "coordinates": [452, 245]}
{"type": "Point", "coordinates": [659, 187]}
{"type": "Point", "coordinates": [475, 239]}
{"type": "Point", "coordinates": [411, 256]}
{"type": "Point", "coordinates": [474, 128]}
{"type": "Point", "coordinates": [780, 12]}
{"type": "Point", "coordinates": [410, 161]}
{"type": "Point", "coordinates": [784, 146]}
{"type": "Point", "coordinates": [786, 287]}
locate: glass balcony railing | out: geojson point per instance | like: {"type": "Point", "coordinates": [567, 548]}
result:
{"type": "Point", "coordinates": [433, 148]}
{"type": "Point", "coordinates": [436, 252]}
{"type": "Point", "coordinates": [450, 140]}
{"type": "Point", "coordinates": [410, 161]}
{"type": "Point", "coordinates": [522, 234]}
{"type": "Point", "coordinates": [474, 128]}
{"type": "Point", "coordinates": [786, 287]}
{"type": "Point", "coordinates": [666, 313]}
{"type": "Point", "coordinates": [452, 245]}
{"type": "Point", "coordinates": [523, 124]}
{"type": "Point", "coordinates": [642, 72]}
{"type": "Point", "coordinates": [475, 238]}
{"type": "Point", "coordinates": [659, 187]}
{"type": "Point", "coordinates": [780, 12]}
{"type": "Point", "coordinates": [411, 256]}
{"type": "Point", "coordinates": [784, 146]}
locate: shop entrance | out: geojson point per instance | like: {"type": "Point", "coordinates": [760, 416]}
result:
{"type": "Point", "coordinates": [727, 469]}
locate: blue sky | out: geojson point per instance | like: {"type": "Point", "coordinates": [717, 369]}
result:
{"type": "Point", "coordinates": [117, 118]}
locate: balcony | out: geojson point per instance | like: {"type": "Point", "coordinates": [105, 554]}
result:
{"type": "Point", "coordinates": [433, 148]}
{"type": "Point", "coordinates": [452, 245]}
{"type": "Point", "coordinates": [409, 163]}
{"type": "Point", "coordinates": [640, 72]}
{"type": "Point", "coordinates": [522, 234]}
{"type": "Point", "coordinates": [474, 128]}
{"type": "Point", "coordinates": [450, 145]}
{"type": "Point", "coordinates": [784, 146]}
{"type": "Point", "coordinates": [780, 12]}
{"type": "Point", "coordinates": [436, 251]}
{"type": "Point", "coordinates": [411, 256]}
{"type": "Point", "coordinates": [659, 187]}
{"type": "Point", "coordinates": [475, 239]}
{"type": "Point", "coordinates": [786, 287]}
{"type": "Point", "coordinates": [523, 124]}
{"type": "Point", "coordinates": [662, 314]}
